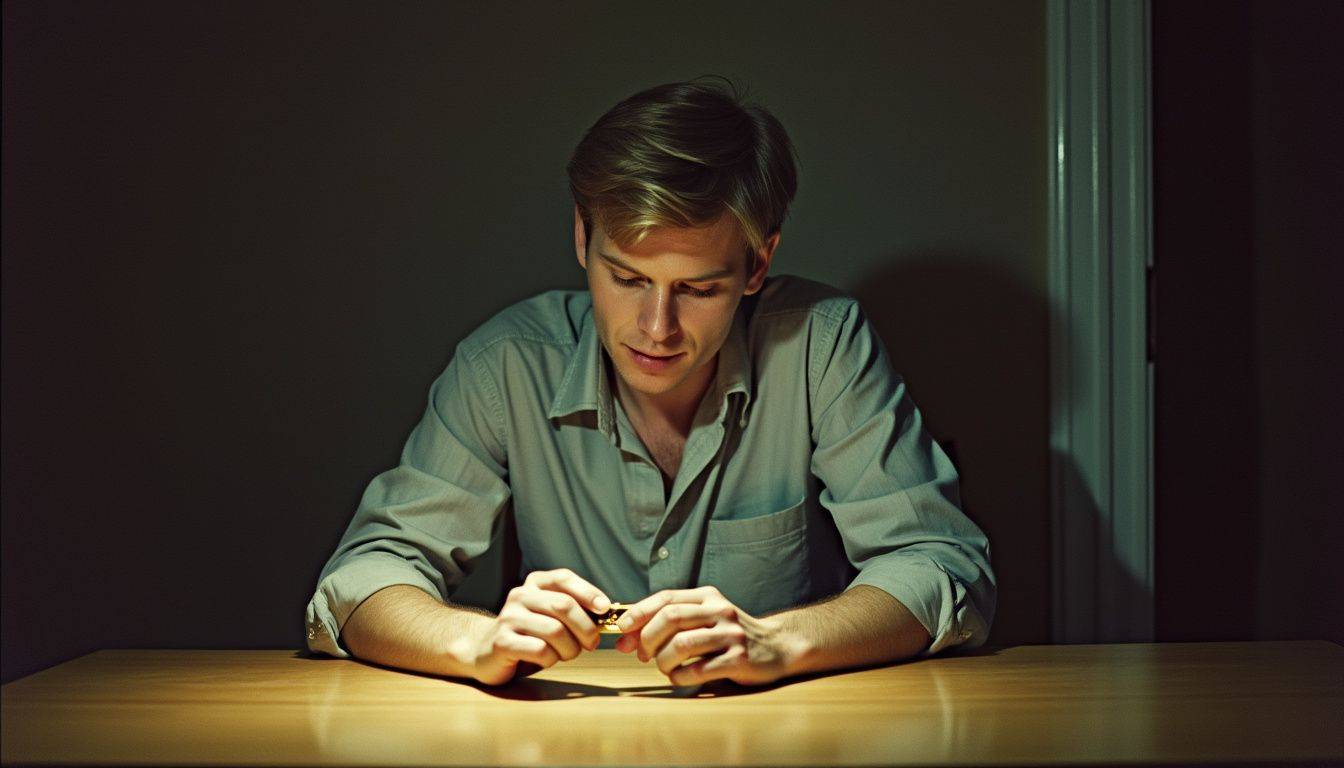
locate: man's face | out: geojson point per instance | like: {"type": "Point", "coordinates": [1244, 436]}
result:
{"type": "Point", "coordinates": [664, 307]}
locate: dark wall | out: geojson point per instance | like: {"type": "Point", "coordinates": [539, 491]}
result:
{"type": "Point", "coordinates": [1249, 200]}
{"type": "Point", "coordinates": [241, 239]}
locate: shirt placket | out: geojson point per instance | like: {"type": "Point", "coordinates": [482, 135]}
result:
{"type": "Point", "coordinates": [678, 534]}
{"type": "Point", "coordinates": [650, 513]}
{"type": "Point", "coordinates": [646, 506]}
{"type": "Point", "coordinates": [641, 481]}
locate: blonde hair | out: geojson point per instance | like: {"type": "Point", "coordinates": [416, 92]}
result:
{"type": "Point", "coordinates": [680, 155]}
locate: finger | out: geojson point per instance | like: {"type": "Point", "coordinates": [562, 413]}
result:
{"type": "Point", "coordinates": [696, 642]}
{"type": "Point", "coordinates": [565, 580]}
{"type": "Point", "coordinates": [627, 643]}
{"type": "Point", "coordinates": [562, 606]}
{"type": "Point", "coordinates": [674, 618]}
{"type": "Point", "coordinates": [547, 628]}
{"type": "Point", "coordinates": [526, 648]}
{"type": "Point", "coordinates": [723, 665]}
{"type": "Point", "coordinates": [640, 613]}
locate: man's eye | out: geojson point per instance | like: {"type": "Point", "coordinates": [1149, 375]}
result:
{"type": "Point", "coordinates": [631, 282]}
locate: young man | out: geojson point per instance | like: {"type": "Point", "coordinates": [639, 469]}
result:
{"type": "Point", "coordinates": [731, 453]}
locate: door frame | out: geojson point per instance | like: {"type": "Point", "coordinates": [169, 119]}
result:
{"type": "Point", "coordinates": [1101, 341]}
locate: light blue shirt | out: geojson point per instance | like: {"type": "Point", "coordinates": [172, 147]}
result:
{"type": "Point", "coordinates": [807, 471]}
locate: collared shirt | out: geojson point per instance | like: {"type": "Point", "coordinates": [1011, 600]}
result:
{"type": "Point", "coordinates": [807, 471]}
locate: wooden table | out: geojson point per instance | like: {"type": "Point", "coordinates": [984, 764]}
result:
{"type": "Point", "coordinates": [1131, 703]}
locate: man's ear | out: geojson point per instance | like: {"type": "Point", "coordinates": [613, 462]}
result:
{"type": "Point", "coordinates": [580, 239]}
{"type": "Point", "coordinates": [762, 265]}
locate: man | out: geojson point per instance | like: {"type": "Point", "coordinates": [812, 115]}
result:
{"type": "Point", "coordinates": [732, 453]}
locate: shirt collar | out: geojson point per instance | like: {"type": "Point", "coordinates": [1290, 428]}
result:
{"type": "Point", "coordinates": [735, 370]}
{"type": "Point", "coordinates": [586, 387]}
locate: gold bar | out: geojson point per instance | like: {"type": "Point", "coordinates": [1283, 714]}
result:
{"type": "Point", "coordinates": [606, 622]}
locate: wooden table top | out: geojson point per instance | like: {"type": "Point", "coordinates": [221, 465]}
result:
{"type": "Point", "coordinates": [1061, 704]}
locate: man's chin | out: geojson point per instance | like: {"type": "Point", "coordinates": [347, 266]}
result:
{"type": "Point", "coordinates": [647, 384]}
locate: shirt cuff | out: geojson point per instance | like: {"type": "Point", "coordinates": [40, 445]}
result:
{"type": "Point", "coordinates": [935, 597]}
{"type": "Point", "coordinates": [341, 592]}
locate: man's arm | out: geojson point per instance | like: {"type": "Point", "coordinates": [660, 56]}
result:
{"type": "Point", "coordinates": [543, 621]}
{"type": "Point", "coordinates": [402, 626]}
{"type": "Point", "coordinates": [421, 523]}
{"type": "Point", "coordinates": [893, 493]}
{"type": "Point", "coordinates": [863, 625]}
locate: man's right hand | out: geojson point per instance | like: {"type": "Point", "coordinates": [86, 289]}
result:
{"type": "Point", "coordinates": [542, 622]}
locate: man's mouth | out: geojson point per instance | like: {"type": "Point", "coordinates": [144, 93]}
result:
{"type": "Point", "coordinates": [652, 363]}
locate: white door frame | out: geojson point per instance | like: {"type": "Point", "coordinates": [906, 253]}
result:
{"type": "Point", "coordinates": [1101, 372]}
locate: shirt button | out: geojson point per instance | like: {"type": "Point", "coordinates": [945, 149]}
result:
{"type": "Point", "coordinates": [663, 553]}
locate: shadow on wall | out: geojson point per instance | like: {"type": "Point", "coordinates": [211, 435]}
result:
{"type": "Point", "coordinates": [1114, 579]}
{"type": "Point", "coordinates": [971, 339]}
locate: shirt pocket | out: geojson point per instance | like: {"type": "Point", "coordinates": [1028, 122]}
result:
{"type": "Point", "coordinates": [759, 563]}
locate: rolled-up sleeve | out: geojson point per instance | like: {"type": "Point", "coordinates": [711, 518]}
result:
{"type": "Point", "coordinates": [892, 491]}
{"type": "Point", "coordinates": [424, 521]}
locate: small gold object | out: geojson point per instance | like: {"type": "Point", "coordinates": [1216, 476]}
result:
{"type": "Point", "coordinates": [606, 622]}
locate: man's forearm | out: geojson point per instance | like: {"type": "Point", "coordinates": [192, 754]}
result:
{"type": "Point", "coordinates": [402, 626]}
{"type": "Point", "coordinates": [864, 625]}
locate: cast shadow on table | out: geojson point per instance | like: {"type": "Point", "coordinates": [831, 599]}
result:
{"type": "Point", "coordinates": [526, 687]}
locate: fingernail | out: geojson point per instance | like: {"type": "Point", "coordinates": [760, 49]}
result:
{"type": "Point", "coordinates": [602, 604]}
{"type": "Point", "coordinates": [624, 622]}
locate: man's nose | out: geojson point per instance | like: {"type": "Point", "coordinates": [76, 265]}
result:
{"type": "Point", "coordinates": [658, 315]}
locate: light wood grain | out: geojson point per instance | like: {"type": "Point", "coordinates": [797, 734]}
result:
{"type": "Point", "coordinates": [1179, 702]}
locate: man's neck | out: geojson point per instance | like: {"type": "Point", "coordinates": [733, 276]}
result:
{"type": "Point", "coordinates": [675, 409]}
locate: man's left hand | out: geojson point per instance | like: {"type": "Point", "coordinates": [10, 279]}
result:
{"type": "Point", "coordinates": [674, 625]}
